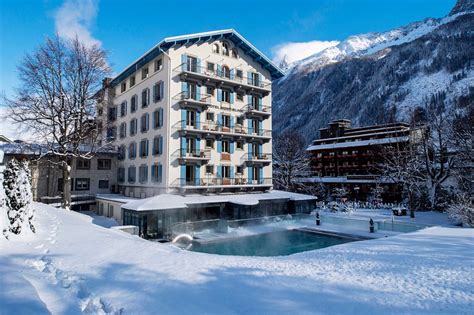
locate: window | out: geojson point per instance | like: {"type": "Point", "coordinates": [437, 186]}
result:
{"type": "Point", "coordinates": [103, 184]}
{"type": "Point", "coordinates": [215, 48]}
{"type": "Point", "coordinates": [226, 72]}
{"type": "Point", "coordinates": [123, 130]}
{"type": "Point", "coordinates": [225, 96]}
{"type": "Point", "coordinates": [254, 79]}
{"type": "Point", "coordinates": [210, 116]}
{"type": "Point", "coordinates": [110, 211]}
{"type": "Point", "coordinates": [158, 118]}
{"type": "Point", "coordinates": [157, 173]}
{"type": "Point", "coordinates": [226, 146]}
{"type": "Point", "coordinates": [133, 103]}
{"type": "Point", "coordinates": [123, 87]}
{"type": "Point", "coordinates": [144, 148]}
{"type": "Point", "coordinates": [112, 113]}
{"type": "Point", "coordinates": [240, 170]}
{"type": "Point", "coordinates": [132, 174]}
{"type": "Point", "coordinates": [210, 91]}
{"type": "Point", "coordinates": [144, 73]}
{"type": "Point", "coordinates": [225, 49]}
{"type": "Point", "coordinates": [209, 143]}
{"type": "Point", "coordinates": [104, 164]}
{"type": "Point", "coordinates": [211, 66]}
{"type": "Point", "coordinates": [190, 146]}
{"type": "Point", "coordinates": [190, 118]}
{"type": "Point", "coordinates": [145, 97]}
{"type": "Point", "coordinates": [158, 145]}
{"type": "Point", "coordinates": [123, 109]}
{"type": "Point", "coordinates": [144, 122]}
{"type": "Point", "coordinates": [191, 64]}
{"type": "Point", "coordinates": [226, 121]}
{"type": "Point", "coordinates": [158, 91]}
{"type": "Point", "coordinates": [121, 153]}
{"type": "Point", "coordinates": [132, 81]}
{"type": "Point", "coordinates": [234, 53]}
{"type": "Point", "coordinates": [226, 171]}
{"type": "Point", "coordinates": [100, 111]}
{"type": "Point", "coordinates": [132, 150]}
{"type": "Point", "coordinates": [240, 145]}
{"type": "Point", "coordinates": [82, 183]}
{"type": "Point", "coordinates": [240, 97]}
{"type": "Point", "coordinates": [158, 64]}
{"type": "Point", "coordinates": [133, 127]}
{"type": "Point", "coordinates": [111, 133]}
{"type": "Point", "coordinates": [82, 164]}
{"type": "Point", "coordinates": [143, 173]}
{"type": "Point", "coordinates": [60, 184]}
{"type": "Point", "coordinates": [240, 120]}
{"type": "Point", "coordinates": [209, 169]}
{"type": "Point", "coordinates": [121, 174]}
{"type": "Point", "coordinates": [239, 74]}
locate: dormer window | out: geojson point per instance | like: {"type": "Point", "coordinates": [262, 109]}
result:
{"type": "Point", "coordinates": [225, 49]}
{"type": "Point", "coordinates": [226, 72]}
{"type": "Point", "coordinates": [215, 48]}
{"type": "Point", "coordinates": [234, 53]}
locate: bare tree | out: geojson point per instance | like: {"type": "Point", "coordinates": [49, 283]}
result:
{"type": "Point", "coordinates": [55, 100]}
{"type": "Point", "coordinates": [290, 161]}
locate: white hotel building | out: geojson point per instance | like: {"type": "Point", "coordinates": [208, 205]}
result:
{"type": "Point", "coordinates": [193, 114]}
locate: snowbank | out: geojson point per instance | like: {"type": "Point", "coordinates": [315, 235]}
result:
{"type": "Point", "coordinates": [76, 266]}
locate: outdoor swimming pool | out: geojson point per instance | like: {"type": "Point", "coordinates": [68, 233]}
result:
{"type": "Point", "coordinates": [279, 243]}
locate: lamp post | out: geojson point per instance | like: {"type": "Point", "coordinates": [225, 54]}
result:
{"type": "Point", "coordinates": [371, 226]}
{"type": "Point", "coordinates": [318, 220]}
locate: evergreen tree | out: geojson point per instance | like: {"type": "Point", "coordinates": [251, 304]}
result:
{"type": "Point", "coordinates": [18, 196]}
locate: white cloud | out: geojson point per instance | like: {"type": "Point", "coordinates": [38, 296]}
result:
{"type": "Point", "coordinates": [299, 51]}
{"type": "Point", "coordinates": [75, 18]}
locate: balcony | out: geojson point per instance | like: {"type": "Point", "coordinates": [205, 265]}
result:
{"type": "Point", "coordinates": [199, 156]}
{"type": "Point", "coordinates": [187, 70]}
{"type": "Point", "coordinates": [256, 158]}
{"type": "Point", "coordinates": [254, 110]}
{"type": "Point", "coordinates": [190, 100]}
{"type": "Point", "coordinates": [219, 182]}
{"type": "Point", "coordinates": [208, 128]}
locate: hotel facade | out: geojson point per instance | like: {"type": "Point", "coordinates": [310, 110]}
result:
{"type": "Point", "coordinates": [192, 115]}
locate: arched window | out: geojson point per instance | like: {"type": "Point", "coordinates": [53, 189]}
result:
{"type": "Point", "coordinates": [215, 48]}
{"type": "Point", "coordinates": [234, 53]}
{"type": "Point", "coordinates": [226, 72]}
{"type": "Point", "coordinates": [225, 49]}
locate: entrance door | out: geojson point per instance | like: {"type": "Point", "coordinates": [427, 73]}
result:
{"type": "Point", "coordinates": [190, 175]}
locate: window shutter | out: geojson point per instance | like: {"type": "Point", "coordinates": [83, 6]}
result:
{"type": "Point", "coordinates": [197, 174]}
{"type": "Point", "coordinates": [183, 146]}
{"type": "Point", "coordinates": [219, 70]}
{"type": "Point", "coordinates": [184, 59]}
{"type": "Point", "coordinates": [219, 146]}
{"type": "Point", "coordinates": [232, 122]}
{"type": "Point", "coordinates": [249, 77]}
{"type": "Point", "coordinates": [232, 171]}
{"type": "Point", "coordinates": [250, 173]}
{"type": "Point", "coordinates": [198, 146]}
{"type": "Point", "coordinates": [232, 144]}
{"type": "Point", "coordinates": [249, 100]}
{"type": "Point", "coordinates": [219, 95]}
{"type": "Point", "coordinates": [184, 89]}
{"type": "Point", "coordinates": [198, 92]}
{"type": "Point", "coordinates": [198, 120]}
{"type": "Point", "coordinates": [153, 173]}
{"type": "Point", "coordinates": [260, 151]}
{"type": "Point", "coordinates": [249, 123]}
{"type": "Point", "coordinates": [260, 175]}
{"type": "Point", "coordinates": [160, 117]}
{"type": "Point", "coordinates": [160, 173]}
{"type": "Point", "coordinates": [219, 120]}
{"type": "Point", "coordinates": [219, 170]}
{"type": "Point", "coordinates": [260, 131]}
{"type": "Point", "coordinates": [147, 120]}
{"type": "Point", "coordinates": [198, 63]}
{"type": "Point", "coordinates": [260, 104]}
{"type": "Point", "coordinates": [146, 146]}
{"type": "Point", "coordinates": [232, 95]}
{"type": "Point", "coordinates": [183, 118]}
{"type": "Point", "coordinates": [155, 92]}
{"type": "Point", "coordinates": [160, 148]}
{"type": "Point", "coordinates": [250, 151]}
{"type": "Point", "coordinates": [162, 90]}
{"type": "Point", "coordinates": [183, 175]}
{"type": "Point", "coordinates": [232, 74]}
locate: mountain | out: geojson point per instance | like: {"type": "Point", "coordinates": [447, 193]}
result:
{"type": "Point", "coordinates": [379, 77]}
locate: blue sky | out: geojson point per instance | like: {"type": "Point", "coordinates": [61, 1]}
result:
{"type": "Point", "coordinates": [128, 28]}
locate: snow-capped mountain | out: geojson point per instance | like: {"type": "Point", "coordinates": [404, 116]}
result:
{"type": "Point", "coordinates": [376, 77]}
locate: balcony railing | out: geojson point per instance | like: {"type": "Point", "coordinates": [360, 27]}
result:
{"type": "Point", "coordinates": [209, 182]}
{"type": "Point", "coordinates": [254, 110]}
{"type": "Point", "coordinates": [262, 158]}
{"type": "Point", "coordinates": [192, 155]}
{"type": "Point", "coordinates": [222, 76]}
{"type": "Point", "coordinates": [194, 99]}
{"type": "Point", "coordinates": [208, 127]}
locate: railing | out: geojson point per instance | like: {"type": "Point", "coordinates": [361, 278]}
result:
{"type": "Point", "coordinates": [257, 109]}
{"type": "Point", "coordinates": [256, 157]}
{"type": "Point", "coordinates": [193, 154]}
{"type": "Point", "coordinates": [220, 181]}
{"type": "Point", "coordinates": [221, 75]}
{"type": "Point", "coordinates": [194, 97]}
{"type": "Point", "coordinates": [206, 126]}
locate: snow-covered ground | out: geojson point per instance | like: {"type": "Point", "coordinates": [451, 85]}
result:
{"type": "Point", "coordinates": [73, 265]}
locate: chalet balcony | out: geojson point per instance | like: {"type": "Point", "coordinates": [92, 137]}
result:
{"type": "Point", "coordinates": [197, 156]}
{"type": "Point", "coordinates": [256, 158]}
{"type": "Point", "coordinates": [191, 71]}
{"type": "Point", "coordinates": [220, 182]}
{"type": "Point", "coordinates": [189, 100]}
{"type": "Point", "coordinates": [207, 128]}
{"type": "Point", "coordinates": [254, 110]}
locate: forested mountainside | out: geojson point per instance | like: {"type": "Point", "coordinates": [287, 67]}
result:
{"type": "Point", "coordinates": [380, 77]}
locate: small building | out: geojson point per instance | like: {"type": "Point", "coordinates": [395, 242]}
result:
{"type": "Point", "coordinates": [350, 157]}
{"type": "Point", "coordinates": [88, 176]}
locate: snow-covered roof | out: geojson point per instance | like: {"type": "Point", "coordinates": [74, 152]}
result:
{"type": "Point", "coordinates": [358, 143]}
{"type": "Point", "coordinates": [169, 42]}
{"type": "Point", "coordinates": [115, 198]}
{"type": "Point", "coordinates": [171, 201]}
{"type": "Point", "coordinates": [344, 179]}
{"type": "Point", "coordinates": [37, 149]}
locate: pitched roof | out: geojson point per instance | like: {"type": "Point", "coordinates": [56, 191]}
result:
{"type": "Point", "coordinates": [229, 34]}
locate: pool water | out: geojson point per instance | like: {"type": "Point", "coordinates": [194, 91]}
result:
{"type": "Point", "coordinates": [270, 244]}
